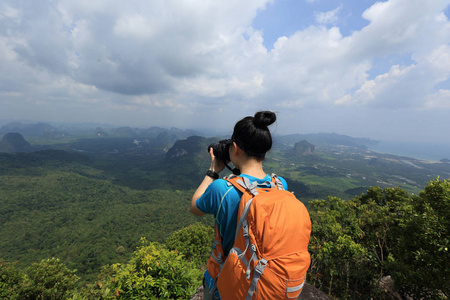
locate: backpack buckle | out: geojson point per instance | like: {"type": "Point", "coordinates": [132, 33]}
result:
{"type": "Point", "coordinates": [245, 231]}
{"type": "Point", "coordinates": [261, 266]}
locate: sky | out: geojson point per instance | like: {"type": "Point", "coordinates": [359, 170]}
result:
{"type": "Point", "coordinates": [377, 69]}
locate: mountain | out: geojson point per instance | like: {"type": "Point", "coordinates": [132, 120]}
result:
{"type": "Point", "coordinates": [40, 130]}
{"type": "Point", "coordinates": [304, 148]}
{"type": "Point", "coordinates": [14, 142]}
{"type": "Point", "coordinates": [193, 146]}
{"type": "Point", "coordinates": [321, 139]}
{"type": "Point", "coordinates": [152, 132]}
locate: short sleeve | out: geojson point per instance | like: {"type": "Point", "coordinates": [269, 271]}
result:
{"type": "Point", "coordinates": [209, 202]}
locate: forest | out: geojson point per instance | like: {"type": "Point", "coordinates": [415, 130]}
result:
{"type": "Point", "coordinates": [107, 218]}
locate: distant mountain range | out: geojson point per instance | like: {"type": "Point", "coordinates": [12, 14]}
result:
{"type": "Point", "coordinates": [320, 139]}
{"type": "Point", "coordinates": [43, 132]}
{"type": "Point", "coordinates": [39, 129]}
{"type": "Point", "coordinates": [46, 129]}
{"type": "Point", "coordinates": [336, 165]}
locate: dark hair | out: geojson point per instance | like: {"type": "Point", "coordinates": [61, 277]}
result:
{"type": "Point", "coordinates": [252, 134]}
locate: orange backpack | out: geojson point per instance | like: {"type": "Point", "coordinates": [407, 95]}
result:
{"type": "Point", "coordinates": [269, 258]}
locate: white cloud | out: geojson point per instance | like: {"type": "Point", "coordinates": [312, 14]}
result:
{"type": "Point", "coordinates": [438, 100]}
{"type": "Point", "coordinates": [329, 17]}
{"type": "Point", "coordinates": [438, 63]}
{"type": "Point", "coordinates": [9, 12]}
{"type": "Point", "coordinates": [402, 26]}
{"type": "Point", "coordinates": [134, 25]}
{"type": "Point", "coordinates": [420, 33]}
{"type": "Point", "coordinates": [204, 55]}
{"type": "Point", "coordinates": [141, 47]}
{"type": "Point", "coordinates": [387, 90]}
{"type": "Point", "coordinates": [314, 67]}
{"type": "Point", "coordinates": [210, 49]}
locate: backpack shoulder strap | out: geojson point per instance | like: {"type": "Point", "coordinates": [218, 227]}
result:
{"type": "Point", "coordinates": [243, 184]}
{"type": "Point", "coordinates": [277, 181]}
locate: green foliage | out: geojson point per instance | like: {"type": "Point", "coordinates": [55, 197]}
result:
{"type": "Point", "coordinates": [68, 212]}
{"type": "Point", "coordinates": [422, 265]}
{"type": "Point", "coordinates": [383, 232]}
{"type": "Point", "coordinates": [353, 245]}
{"type": "Point", "coordinates": [194, 242]}
{"type": "Point", "coordinates": [47, 280]}
{"type": "Point", "coordinates": [10, 281]}
{"type": "Point", "coordinates": [90, 211]}
{"type": "Point", "coordinates": [154, 272]}
{"type": "Point", "coordinates": [337, 256]}
{"type": "Point", "coordinates": [381, 212]}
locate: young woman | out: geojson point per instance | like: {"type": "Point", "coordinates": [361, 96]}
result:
{"type": "Point", "coordinates": [249, 144]}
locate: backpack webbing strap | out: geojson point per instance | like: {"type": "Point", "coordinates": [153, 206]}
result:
{"type": "Point", "coordinates": [248, 186]}
{"type": "Point", "coordinates": [254, 257]}
{"type": "Point", "coordinates": [243, 184]}
{"type": "Point", "coordinates": [212, 291]}
{"type": "Point", "coordinates": [240, 186]}
{"type": "Point", "coordinates": [240, 254]}
{"type": "Point", "coordinates": [218, 210]}
{"type": "Point", "coordinates": [243, 217]}
{"type": "Point", "coordinates": [277, 181]}
{"type": "Point", "coordinates": [218, 259]}
{"type": "Point", "coordinates": [259, 269]}
{"type": "Point", "coordinates": [294, 289]}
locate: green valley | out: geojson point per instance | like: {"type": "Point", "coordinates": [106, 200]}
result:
{"type": "Point", "coordinates": [89, 200]}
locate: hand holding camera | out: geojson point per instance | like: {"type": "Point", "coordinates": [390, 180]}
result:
{"type": "Point", "coordinates": [221, 151]}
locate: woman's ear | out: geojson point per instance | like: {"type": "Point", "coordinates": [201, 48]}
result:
{"type": "Point", "coordinates": [235, 149]}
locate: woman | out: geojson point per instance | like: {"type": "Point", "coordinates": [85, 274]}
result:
{"type": "Point", "coordinates": [251, 140]}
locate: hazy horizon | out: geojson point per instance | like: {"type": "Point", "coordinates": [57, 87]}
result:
{"type": "Point", "coordinates": [378, 69]}
{"type": "Point", "coordinates": [415, 149]}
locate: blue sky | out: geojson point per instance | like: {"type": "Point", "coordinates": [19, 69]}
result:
{"type": "Point", "coordinates": [285, 17]}
{"type": "Point", "coordinates": [361, 68]}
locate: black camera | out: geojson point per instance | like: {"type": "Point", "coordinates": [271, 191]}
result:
{"type": "Point", "coordinates": [221, 150]}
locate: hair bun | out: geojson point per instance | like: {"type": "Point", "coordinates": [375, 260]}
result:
{"type": "Point", "coordinates": [263, 119]}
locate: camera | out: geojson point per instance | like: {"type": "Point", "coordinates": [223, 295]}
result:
{"type": "Point", "coordinates": [221, 150]}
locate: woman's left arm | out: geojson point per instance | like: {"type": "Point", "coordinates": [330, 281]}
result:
{"type": "Point", "coordinates": [216, 166]}
{"type": "Point", "coordinates": [198, 193]}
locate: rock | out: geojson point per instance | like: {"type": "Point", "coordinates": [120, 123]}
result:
{"type": "Point", "coordinates": [198, 294]}
{"type": "Point", "coordinates": [386, 285]}
{"type": "Point", "coordinates": [309, 293]}
{"type": "Point", "coordinates": [312, 293]}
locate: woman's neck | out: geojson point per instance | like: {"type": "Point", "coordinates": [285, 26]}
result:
{"type": "Point", "coordinates": [253, 168]}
